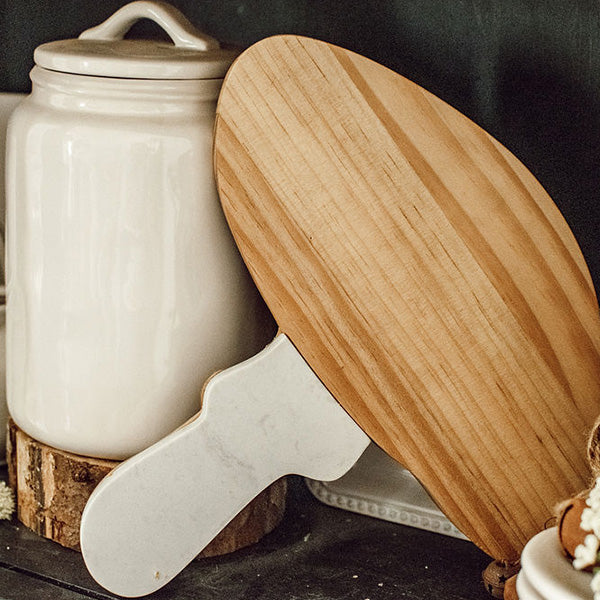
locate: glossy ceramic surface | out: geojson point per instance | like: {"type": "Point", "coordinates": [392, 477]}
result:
{"type": "Point", "coordinates": [125, 289]}
{"type": "Point", "coordinates": [547, 575]}
{"type": "Point", "coordinates": [8, 103]}
{"type": "Point", "coordinates": [102, 51]}
{"type": "Point", "coordinates": [380, 487]}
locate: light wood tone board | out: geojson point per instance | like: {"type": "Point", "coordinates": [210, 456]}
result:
{"type": "Point", "coordinates": [422, 272]}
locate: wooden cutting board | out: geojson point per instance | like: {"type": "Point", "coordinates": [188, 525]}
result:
{"type": "Point", "coordinates": [422, 272]}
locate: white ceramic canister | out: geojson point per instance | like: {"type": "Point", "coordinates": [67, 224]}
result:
{"type": "Point", "coordinates": [125, 290]}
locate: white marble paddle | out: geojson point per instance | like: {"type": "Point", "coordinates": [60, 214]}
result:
{"type": "Point", "coordinates": [260, 420]}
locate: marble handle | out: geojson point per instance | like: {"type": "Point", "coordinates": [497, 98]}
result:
{"type": "Point", "coordinates": [260, 420]}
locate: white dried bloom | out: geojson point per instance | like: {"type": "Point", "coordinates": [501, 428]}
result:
{"type": "Point", "coordinates": [590, 521]}
{"type": "Point", "coordinates": [593, 499]}
{"type": "Point", "coordinates": [587, 519]}
{"type": "Point", "coordinates": [7, 501]}
{"type": "Point", "coordinates": [586, 553]}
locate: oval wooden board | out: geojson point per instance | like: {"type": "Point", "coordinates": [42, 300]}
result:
{"type": "Point", "coordinates": [422, 272]}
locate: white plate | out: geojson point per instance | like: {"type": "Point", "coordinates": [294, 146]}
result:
{"type": "Point", "coordinates": [379, 487]}
{"type": "Point", "coordinates": [525, 590]}
{"type": "Point", "coordinates": [547, 575]}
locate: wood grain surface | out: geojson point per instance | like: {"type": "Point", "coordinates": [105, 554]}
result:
{"type": "Point", "coordinates": [422, 272]}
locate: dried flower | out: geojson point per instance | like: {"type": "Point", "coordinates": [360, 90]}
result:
{"type": "Point", "coordinates": [7, 501]}
{"type": "Point", "coordinates": [593, 499]}
{"type": "Point", "coordinates": [590, 521]}
{"type": "Point", "coordinates": [586, 553]}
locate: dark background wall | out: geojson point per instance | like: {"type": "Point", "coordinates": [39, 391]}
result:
{"type": "Point", "coordinates": [527, 71]}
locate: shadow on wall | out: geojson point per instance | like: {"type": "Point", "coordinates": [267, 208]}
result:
{"type": "Point", "coordinates": [550, 118]}
{"type": "Point", "coordinates": [528, 72]}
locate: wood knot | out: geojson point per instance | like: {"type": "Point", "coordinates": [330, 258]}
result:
{"type": "Point", "coordinates": [81, 475]}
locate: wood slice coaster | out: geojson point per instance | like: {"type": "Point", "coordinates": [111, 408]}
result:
{"type": "Point", "coordinates": [52, 487]}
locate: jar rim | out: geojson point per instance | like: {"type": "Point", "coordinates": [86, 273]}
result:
{"type": "Point", "coordinates": [111, 87]}
{"type": "Point", "coordinates": [133, 59]}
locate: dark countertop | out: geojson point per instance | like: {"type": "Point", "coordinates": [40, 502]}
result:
{"type": "Point", "coordinates": [317, 553]}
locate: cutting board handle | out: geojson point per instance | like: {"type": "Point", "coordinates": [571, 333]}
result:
{"type": "Point", "coordinates": [260, 420]}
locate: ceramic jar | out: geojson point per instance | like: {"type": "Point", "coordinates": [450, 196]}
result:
{"type": "Point", "coordinates": [125, 290]}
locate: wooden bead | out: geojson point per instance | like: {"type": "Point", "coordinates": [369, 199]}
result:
{"type": "Point", "coordinates": [53, 486]}
{"type": "Point", "coordinates": [496, 574]}
{"type": "Point", "coordinates": [570, 533]}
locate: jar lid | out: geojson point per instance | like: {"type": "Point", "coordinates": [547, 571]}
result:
{"type": "Point", "coordinates": [102, 51]}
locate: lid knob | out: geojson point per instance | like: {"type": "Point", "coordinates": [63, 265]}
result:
{"type": "Point", "coordinates": [181, 31]}
{"type": "Point", "coordinates": [104, 51]}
